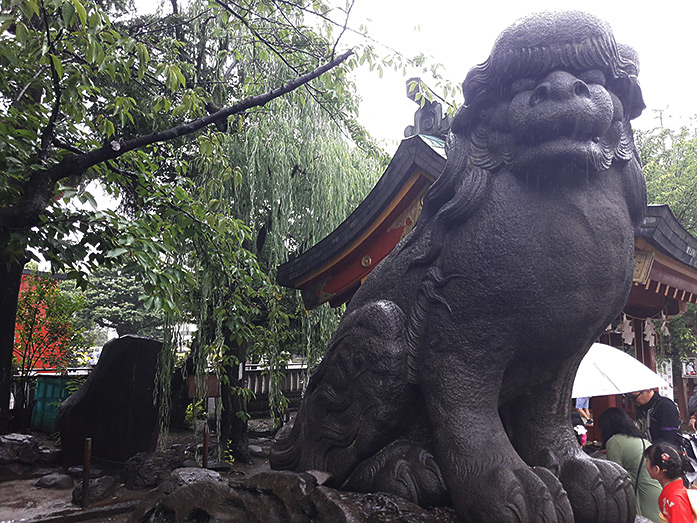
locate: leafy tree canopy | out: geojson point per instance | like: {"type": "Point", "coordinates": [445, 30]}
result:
{"type": "Point", "coordinates": [115, 300]}
{"type": "Point", "coordinates": [146, 105]}
{"type": "Point", "coordinates": [669, 160]}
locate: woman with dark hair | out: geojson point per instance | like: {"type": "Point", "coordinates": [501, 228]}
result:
{"type": "Point", "coordinates": [625, 445]}
{"type": "Point", "coordinates": [667, 464]}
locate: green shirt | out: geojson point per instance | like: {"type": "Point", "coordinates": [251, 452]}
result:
{"type": "Point", "coordinates": [627, 451]}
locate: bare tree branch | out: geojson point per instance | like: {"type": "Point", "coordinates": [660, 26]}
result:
{"type": "Point", "coordinates": [188, 128]}
{"type": "Point", "coordinates": [47, 134]}
{"type": "Point", "coordinates": [343, 29]}
{"type": "Point", "coordinates": [27, 85]}
{"type": "Point", "coordinates": [57, 142]}
{"type": "Point", "coordinates": [38, 190]}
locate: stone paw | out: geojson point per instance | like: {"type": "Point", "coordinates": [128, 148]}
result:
{"type": "Point", "coordinates": [598, 490]}
{"type": "Point", "coordinates": [515, 496]}
{"type": "Point", "coordinates": [403, 468]}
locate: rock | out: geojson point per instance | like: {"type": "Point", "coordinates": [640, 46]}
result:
{"type": "Point", "coordinates": [203, 501]}
{"type": "Point", "coordinates": [260, 427]}
{"type": "Point", "coordinates": [115, 405]}
{"type": "Point", "coordinates": [55, 481]}
{"type": "Point", "coordinates": [258, 452]}
{"type": "Point", "coordinates": [99, 489]}
{"type": "Point", "coordinates": [218, 466]}
{"type": "Point", "coordinates": [149, 469]}
{"type": "Point", "coordinates": [76, 471]}
{"type": "Point", "coordinates": [279, 497]}
{"type": "Point", "coordinates": [294, 490]}
{"type": "Point", "coordinates": [187, 476]}
{"type": "Point", "coordinates": [321, 476]}
{"type": "Point", "coordinates": [50, 456]}
{"type": "Point", "coordinates": [21, 448]}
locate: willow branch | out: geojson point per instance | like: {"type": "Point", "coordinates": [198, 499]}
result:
{"type": "Point", "coordinates": [256, 34]}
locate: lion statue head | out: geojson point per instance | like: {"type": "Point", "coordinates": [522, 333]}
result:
{"type": "Point", "coordinates": [552, 103]}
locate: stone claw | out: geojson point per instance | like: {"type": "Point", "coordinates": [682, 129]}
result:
{"type": "Point", "coordinates": [516, 496]}
{"type": "Point", "coordinates": [599, 490]}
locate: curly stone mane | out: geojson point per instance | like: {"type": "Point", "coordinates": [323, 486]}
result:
{"type": "Point", "coordinates": [468, 172]}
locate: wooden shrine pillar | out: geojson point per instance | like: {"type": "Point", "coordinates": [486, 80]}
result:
{"type": "Point", "coordinates": [644, 352]}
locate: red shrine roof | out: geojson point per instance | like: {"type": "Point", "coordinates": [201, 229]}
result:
{"type": "Point", "coordinates": [665, 272]}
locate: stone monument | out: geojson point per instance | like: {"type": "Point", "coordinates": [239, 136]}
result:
{"type": "Point", "coordinates": [115, 406]}
{"type": "Point", "coordinates": [449, 377]}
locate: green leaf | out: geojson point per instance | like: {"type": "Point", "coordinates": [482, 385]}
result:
{"type": "Point", "coordinates": [90, 199]}
{"type": "Point", "coordinates": [81, 12]}
{"type": "Point", "coordinates": [68, 13]}
{"type": "Point", "coordinates": [29, 8]}
{"type": "Point", "coordinates": [22, 33]}
{"type": "Point", "coordinates": [6, 22]}
{"type": "Point", "coordinates": [114, 253]}
{"type": "Point", "coordinates": [91, 53]}
{"type": "Point", "coordinates": [106, 127]}
{"type": "Point", "coordinates": [57, 65]}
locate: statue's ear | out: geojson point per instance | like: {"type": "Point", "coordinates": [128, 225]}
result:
{"type": "Point", "coordinates": [462, 119]}
{"type": "Point", "coordinates": [636, 99]}
{"type": "Point", "coordinates": [469, 115]}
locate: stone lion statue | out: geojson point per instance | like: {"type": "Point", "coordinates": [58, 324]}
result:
{"type": "Point", "coordinates": [450, 375]}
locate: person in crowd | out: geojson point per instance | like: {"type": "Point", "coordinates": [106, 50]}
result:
{"type": "Point", "coordinates": [692, 409]}
{"type": "Point", "coordinates": [582, 407]}
{"type": "Point", "coordinates": [667, 464]}
{"type": "Point", "coordinates": [658, 416]}
{"type": "Point", "coordinates": [625, 445]}
{"type": "Point", "coordinates": [579, 428]}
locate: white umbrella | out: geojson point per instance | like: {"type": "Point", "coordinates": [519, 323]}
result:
{"type": "Point", "coordinates": [606, 370]}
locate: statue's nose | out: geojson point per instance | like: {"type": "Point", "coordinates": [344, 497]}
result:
{"type": "Point", "coordinates": [559, 86]}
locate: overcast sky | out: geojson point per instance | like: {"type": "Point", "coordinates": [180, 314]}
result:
{"type": "Point", "coordinates": [460, 34]}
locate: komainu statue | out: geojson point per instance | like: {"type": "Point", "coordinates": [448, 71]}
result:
{"type": "Point", "coordinates": [450, 375]}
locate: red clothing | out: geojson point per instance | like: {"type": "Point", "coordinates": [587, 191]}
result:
{"type": "Point", "coordinates": [674, 503]}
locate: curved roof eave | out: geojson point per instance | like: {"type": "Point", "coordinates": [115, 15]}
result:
{"type": "Point", "coordinates": [662, 230]}
{"type": "Point", "coordinates": [417, 152]}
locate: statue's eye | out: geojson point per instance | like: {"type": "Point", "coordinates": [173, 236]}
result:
{"type": "Point", "coordinates": [522, 84]}
{"type": "Point", "coordinates": [593, 76]}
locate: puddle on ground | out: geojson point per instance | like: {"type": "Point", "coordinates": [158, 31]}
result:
{"type": "Point", "coordinates": [21, 500]}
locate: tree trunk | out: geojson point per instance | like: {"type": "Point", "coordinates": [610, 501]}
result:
{"type": "Point", "coordinates": [10, 279]}
{"type": "Point", "coordinates": [233, 428]}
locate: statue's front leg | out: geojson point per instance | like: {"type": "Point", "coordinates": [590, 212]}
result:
{"type": "Point", "coordinates": [486, 478]}
{"type": "Point", "coordinates": [538, 422]}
